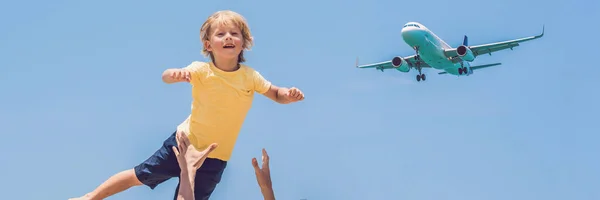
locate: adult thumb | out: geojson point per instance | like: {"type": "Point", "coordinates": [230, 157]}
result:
{"type": "Point", "coordinates": [211, 148]}
{"type": "Point", "coordinates": [255, 165]}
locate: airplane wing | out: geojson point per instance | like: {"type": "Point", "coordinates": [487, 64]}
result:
{"type": "Point", "coordinates": [492, 47]}
{"type": "Point", "coordinates": [477, 67]}
{"type": "Point", "coordinates": [388, 64]}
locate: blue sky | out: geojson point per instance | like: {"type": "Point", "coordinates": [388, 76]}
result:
{"type": "Point", "coordinates": [82, 99]}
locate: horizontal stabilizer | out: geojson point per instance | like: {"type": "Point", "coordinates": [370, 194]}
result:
{"type": "Point", "coordinates": [484, 66]}
{"type": "Point", "coordinates": [478, 67]}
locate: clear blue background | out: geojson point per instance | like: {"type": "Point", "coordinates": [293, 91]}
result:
{"type": "Point", "coordinates": [82, 99]}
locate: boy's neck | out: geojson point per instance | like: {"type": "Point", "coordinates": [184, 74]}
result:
{"type": "Point", "coordinates": [228, 65]}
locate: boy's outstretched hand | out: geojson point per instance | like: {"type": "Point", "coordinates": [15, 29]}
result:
{"type": "Point", "coordinates": [176, 75]}
{"type": "Point", "coordinates": [180, 75]}
{"type": "Point", "coordinates": [294, 95]}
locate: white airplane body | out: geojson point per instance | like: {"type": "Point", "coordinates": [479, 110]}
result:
{"type": "Point", "coordinates": [433, 52]}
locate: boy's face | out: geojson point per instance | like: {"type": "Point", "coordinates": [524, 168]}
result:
{"type": "Point", "coordinates": [225, 42]}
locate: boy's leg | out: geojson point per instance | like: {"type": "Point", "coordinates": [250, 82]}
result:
{"type": "Point", "coordinates": [158, 168]}
{"type": "Point", "coordinates": [207, 178]}
{"type": "Point", "coordinates": [115, 184]}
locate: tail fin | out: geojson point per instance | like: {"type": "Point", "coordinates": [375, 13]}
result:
{"type": "Point", "coordinates": [466, 41]}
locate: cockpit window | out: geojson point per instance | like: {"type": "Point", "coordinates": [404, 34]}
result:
{"type": "Point", "coordinates": [412, 25]}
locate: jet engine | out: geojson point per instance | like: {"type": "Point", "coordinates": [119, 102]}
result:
{"type": "Point", "coordinates": [465, 53]}
{"type": "Point", "coordinates": [400, 64]}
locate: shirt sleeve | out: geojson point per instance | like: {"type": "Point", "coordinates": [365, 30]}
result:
{"type": "Point", "coordinates": [195, 69]}
{"type": "Point", "coordinates": [261, 85]}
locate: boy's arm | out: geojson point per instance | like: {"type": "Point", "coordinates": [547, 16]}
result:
{"type": "Point", "coordinates": [278, 94]}
{"type": "Point", "coordinates": [176, 75]}
{"type": "Point", "coordinates": [284, 95]}
{"type": "Point", "coordinates": [186, 74]}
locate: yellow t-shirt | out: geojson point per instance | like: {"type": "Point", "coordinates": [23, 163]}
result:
{"type": "Point", "coordinates": [220, 103]}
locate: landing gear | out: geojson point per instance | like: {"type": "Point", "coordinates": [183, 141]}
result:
{"type": "Point", "coordinates": [462, 70]}
{"type": "Point", "coordinates": [418, 61]}
{"type": "Point", "coordinates": [420, 77]}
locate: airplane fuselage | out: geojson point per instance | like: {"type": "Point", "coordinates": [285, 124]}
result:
{"type": "Point", "coordinates": [433, 52]}
{"type": "Point", "coordinates": [430, 48]}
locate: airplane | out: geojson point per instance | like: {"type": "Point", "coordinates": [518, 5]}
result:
{"type": "Point", "coordinates": [433, 52]}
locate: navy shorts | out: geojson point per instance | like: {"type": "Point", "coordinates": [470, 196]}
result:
{"type": "Point", "coordinates": [162, 166]}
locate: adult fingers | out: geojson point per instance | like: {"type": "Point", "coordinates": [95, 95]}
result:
{"type": "Point", "coordinates": [209, 149]}
{"type": "Point", "coordinates": [255, 165]}
{"type": "Point", "coordinates": [185, 139]}
{"type": "Point", "coordinates": [175, 150]}
{"type": "Point", "coordinates": [181, 147]}
{"type": "Point", "coordinates": [265, 156]}
{"type": "Point", "coordinates": [179, 142]}
{"type": "Point", "coordinates": [178, 137]}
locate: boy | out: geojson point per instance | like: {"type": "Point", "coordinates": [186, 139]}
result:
{"type": "Point", "coordinates": [222, 92]}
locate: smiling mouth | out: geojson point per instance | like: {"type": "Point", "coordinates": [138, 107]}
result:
{"type": "Point", "coordinates": [229, 46]}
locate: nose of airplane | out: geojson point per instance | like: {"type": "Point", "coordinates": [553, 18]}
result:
{"type": "Point", "coordinates": [404, 28]}
{"type": "Point", "coordinates": [406, 31]}
{"type": "Point", "coordinates": [410, 34]}
{"type": "Point", "coordinates": [403, 31]}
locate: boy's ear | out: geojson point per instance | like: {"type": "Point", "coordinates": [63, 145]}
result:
{"type": "Point", "coordinates": [248, 43]}
{"type": "Point", "coordinates": [207, 45]}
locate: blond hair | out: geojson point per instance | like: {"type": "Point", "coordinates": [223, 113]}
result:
{"type": "Point", "coordinates": [225, 17]}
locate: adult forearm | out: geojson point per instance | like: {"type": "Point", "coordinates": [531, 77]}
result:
{"type": "Point", "coordinates": [186, 186]}
{"type": "Point", "coordinates": [268, 193]}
